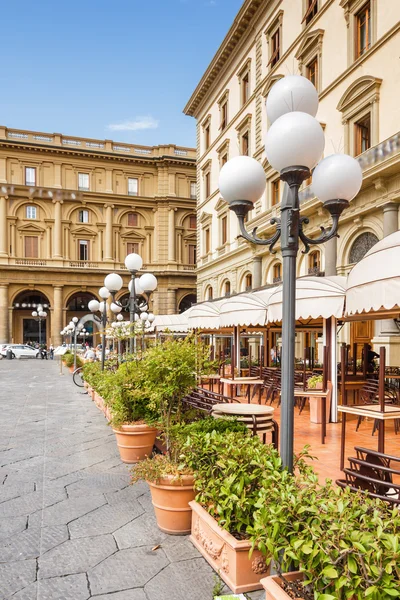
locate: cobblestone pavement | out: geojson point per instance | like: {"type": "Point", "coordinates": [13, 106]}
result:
{"type": "Point", "coordinates": [71, 526]}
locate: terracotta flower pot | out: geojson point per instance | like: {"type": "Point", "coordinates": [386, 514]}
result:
{"type": "Point", "coordinates": [273, 589]}
{"type": "Point", "coordinates": [135, 442]}
{"type": "Point", "coordinates": [227, 555]}
{"type": "Point", "coordinates": [171, 499]}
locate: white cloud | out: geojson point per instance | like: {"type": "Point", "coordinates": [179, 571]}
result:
{"type": "Point", "coordinates": [135, 124]}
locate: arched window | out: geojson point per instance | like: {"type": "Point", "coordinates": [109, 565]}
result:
{"type": "Point", "coordinates": [80, 301]}
{"type": "Point", "coordinates": [248, 282]}
{"type": "Point", "coordinates": [209, 293]}
{"type": "Point", "coordinates": [314, 263]}
{"type": "Point", "coordinates": [227, 288]}
{"type": "Point", "coordinates": [361, 245]}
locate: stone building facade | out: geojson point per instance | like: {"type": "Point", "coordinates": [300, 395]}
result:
{"type": "Point", "coordinates": [349, 50]}
{"type": "Point", "coordinates": [71, 209]}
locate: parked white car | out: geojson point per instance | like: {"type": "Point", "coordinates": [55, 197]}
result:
{"type": "Point", "coordinates": [20, 351]}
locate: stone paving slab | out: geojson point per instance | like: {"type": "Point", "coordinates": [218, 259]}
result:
{"type": "Point", "coordinates": [71, 526]}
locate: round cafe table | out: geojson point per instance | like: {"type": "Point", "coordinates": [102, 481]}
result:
{"type": "Point", "coordinates": [259, 419]}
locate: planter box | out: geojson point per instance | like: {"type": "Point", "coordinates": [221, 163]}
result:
{"type": "Point", "coordinates": [227, 555]}
{"type": "Point", "coordinates": [273, 589]}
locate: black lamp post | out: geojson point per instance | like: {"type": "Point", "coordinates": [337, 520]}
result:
{"type": "Point", "coordinates": [294, 145]}
{"type": "Point", "coordinates": [39, 316]}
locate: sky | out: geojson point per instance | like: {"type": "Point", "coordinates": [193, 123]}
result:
{"type": "Point", "coordinates": [108, 69]}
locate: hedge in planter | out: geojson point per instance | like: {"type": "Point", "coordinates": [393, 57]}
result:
{"type": "Point", "coordinates": [346, 545]}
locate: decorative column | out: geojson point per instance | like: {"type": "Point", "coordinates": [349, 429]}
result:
{"type": "Point", "coordinates": [13, 240]}
{"type": "Point", "coordinates": [390, 218]}
{"type": "Point", "coordinates": [4, 312]}
{"type": "Point", "coordinates": [3, 227]}
{"type": "Point", "coordinates": [171, 235]}
{"type": "Point", "coordinates": [100, 245]}
{"type": "Point", "coordinates": [180, 249]}
{"type": "Point", "coordinates": [330, 257]}
{"type": "Point", "coordinates": [386, 332]}
{"type": "Point", "coordinates": [257, 261]}
{"type": "Point", "coordinates": [109, 231]}
{"type": "Point", "coordinates": [57, 316]}
{"type": "Point", "coordinates": [57, 175]}
{"type": "Point", "coordinates": [57, 241]}
{"type": "Point", "coordinates": [171, 302]}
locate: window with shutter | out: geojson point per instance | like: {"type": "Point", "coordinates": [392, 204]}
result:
{"type": "Point", "coordinates": [133, 219]}
{"type": "Point", "coordinates": [132, 248]}
{"type": "Point", "coordinates": [31, 246]}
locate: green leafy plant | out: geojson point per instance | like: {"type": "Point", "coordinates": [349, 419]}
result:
{"type": "Point", "coordinates": [69, 360]}
{"type": "Point", "coordinates": [313, 381]}
{"type": "Point", "coordinates": [345, 544]}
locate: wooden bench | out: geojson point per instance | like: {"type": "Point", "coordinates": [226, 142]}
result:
{"type": "Point", "coordinates": [373, 473]}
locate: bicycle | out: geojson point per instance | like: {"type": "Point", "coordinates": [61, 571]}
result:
{"type": "Point", "coordinates": [77, 377]}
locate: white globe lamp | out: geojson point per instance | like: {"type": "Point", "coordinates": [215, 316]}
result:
{"type": "Point", "coordinates": [292, 93]}
{"type": "Point", "coordinates": [294, 140]}
{"type": "Point", "coordinates": [94, 305]}
{"type": "Point", "coordinates": [151, 317]}
{"type": "Point", "coordinates": [104, 293]}
{"type": "Point", "coordinates": [148, 282]}
{"type": "Point", "coordinates": [338, 176]}
{"type": "Point", "coordinates": [242, 181]}
{"type": "Point", "coordinates": [133, 262]}
{"type": "Point", "coordinates": [113, 282]}
{"type": "Point", "coordinates": [116, 308]}
{"type": "Point", "coordinates": [144, 316]}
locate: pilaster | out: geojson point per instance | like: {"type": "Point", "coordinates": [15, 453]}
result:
{"type": "Point", "coordinates": [4, 312]}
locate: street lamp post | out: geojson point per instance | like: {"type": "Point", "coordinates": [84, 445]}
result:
{"type": "Point", "coordinates": [39, 315]}
{"type": "Point", "coordinates": [294, 146]}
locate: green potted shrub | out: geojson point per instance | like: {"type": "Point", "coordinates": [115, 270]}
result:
{"type": "Point", "coordinates": [344, 545]}
{"type": "Point", "coordinates": [230, 470]}
{"type": "Point", "coordinates": [170, 371]}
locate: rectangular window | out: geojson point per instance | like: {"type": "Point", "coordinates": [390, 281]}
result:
{"type": "Point", "coordinates": [31, 246]}
{"type": "Point", "coordinates": [312, 9]}
{"type": "Point", "coordinates": [192, 254]}
{"type": "Point", "coordinates": [275, 192]}
{"type": "Point", "coordinates": [83, 249]}
{"type": "Point", "coordinates": [83, 216]}
{"type": "Point", "coordinates": [245, 88]}
{"type": "Point", "coordinates": [30, 176]}
{"type": "Point", "coordinates": [132, 248]}
{"type": "Point", "coordinates": [245, 144]}
{"type": "Point", "coordinates": [224, 115]}
{"type": "Point", "coordinates": [363, 20]}
{"type": "Point", "coordinates": [193, 190]}
{"type": "Point", "coordinates": [133, 187]}
{"type": "Point", "coordinates": [192, 222]}
{"type": "Point", "coordinates": [207, 137]}
{"type": "Point", "coordinates": [224, 159]}
{"type": "Point", "coordinates": [362, 135]}
{"type": "Point", "coordinates": [224, 230]}
{"type": "Point", "coordinates": [207, 187]}
{"type": "Point", "coordinates": [207, 240]}
{"type": "Point", "coordinates": [312, 72]}
{"type": "Point", "coordinates": [83, 182]}
{"type": "Point", "coordinates": [31, 212]}
{"type": "Point", "coordinates": [275, 48]}
{"type": "Point", "coordinates": [133, 220]}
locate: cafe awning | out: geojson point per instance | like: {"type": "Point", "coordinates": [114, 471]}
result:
{"type": "Point", "coordinates": [374, 283]}
{"type": "Point", "coordinates": [248, 309]}
{"type": "Point", "coordinates": [205, 315]}
{"type": "Point", "coordinates": [174, 323]}
{"type": "Point", "coordinates": [316, 297]}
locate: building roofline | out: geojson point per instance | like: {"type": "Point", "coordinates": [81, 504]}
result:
{"type": "Point", "coordinates": [232, 38]}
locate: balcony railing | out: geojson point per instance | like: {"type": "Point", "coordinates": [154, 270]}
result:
{"type": "Point", "coordinates": [83, 264]}
{"type": "Point", "coordinates": [30, 262]}
{"type": "Point", "coordinates": [316, 271]}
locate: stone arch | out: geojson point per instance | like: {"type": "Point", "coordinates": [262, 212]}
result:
{"type": "Point", "coordinates": [142, 213]}
{"type": "Point", "coordinates": [30, 202]}
{"type": "Point", "coordinates": [345, 241]}
{"type": "Point", "coordinates": [208, 292]}
{"type": "Point", "coordinates": [225, 284]}
{"type": "Point", "coordinates": [89, 207]}
{"type": "Point", "coordinates": [186, 302]}
{"type": "Point", "coordinates": [242, 280]}
{"type": "Point", "coordinates": [28, 297]}
{"type": "Point", "coordinates": [270, 269]}
{"type": "Point", "coordinates": [78, 300]}
{"type": "Point", "coordinates": [182, 218]}
{"type": "Point", "coordinates": [358, 90]}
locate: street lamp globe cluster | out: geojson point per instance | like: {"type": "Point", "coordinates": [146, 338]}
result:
{"type": "Point", "coordinates": [73, 329]}
{"type": "Point", "coordinates": [39, 314]}
{"type": "Point", "coordinates": [294, 145]}
{"type": "Point", "coordinates": [141, 286]}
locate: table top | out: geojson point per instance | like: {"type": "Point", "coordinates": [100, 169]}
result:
{"type": "Point", "coordinates": [312, 393]}
{"type": "Point", "coordinates": [243, 409]}
{"type": "Point", "coordinates": [242, 380]}
{"type": "Point", "coordinates": [372, 410]}
{"type": "Point", "coordinates": [212, 376]}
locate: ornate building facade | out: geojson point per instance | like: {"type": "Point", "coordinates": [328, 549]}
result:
{"type": "Point", "coordinates": [348, 49]}
{"type": "Point", "coordinates": [71, 209]}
